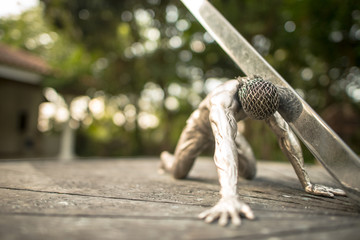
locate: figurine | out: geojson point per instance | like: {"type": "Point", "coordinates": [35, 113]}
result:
{"type": "Point", "coordinates": [215, 121]}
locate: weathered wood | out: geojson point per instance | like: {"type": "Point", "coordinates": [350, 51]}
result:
{"type": "Point", "coordinates": [128, 199]}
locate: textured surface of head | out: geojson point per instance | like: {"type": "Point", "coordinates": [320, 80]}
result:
{"type": "Point", "coordinates": [259, 98]}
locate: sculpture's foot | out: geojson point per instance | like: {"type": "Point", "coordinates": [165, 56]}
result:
{"type": "Point", "coordinates": [166, 162]}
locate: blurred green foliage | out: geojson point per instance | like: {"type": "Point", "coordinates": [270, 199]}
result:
{"type": "Point", "coordinates": [152, 58]}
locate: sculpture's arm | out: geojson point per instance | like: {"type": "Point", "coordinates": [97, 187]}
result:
{"type": "Point", "coordinates": [292, 149]}
{"type": "Point", "coordinates": [224, 128]}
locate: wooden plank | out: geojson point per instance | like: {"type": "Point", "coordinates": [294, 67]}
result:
{"type": "Point", "coordinates": [128, 199]}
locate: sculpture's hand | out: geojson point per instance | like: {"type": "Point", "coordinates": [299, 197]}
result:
{"type": "Point", "coordinates": [227, 207]}
{"type": "Point", "coordinates": [322, 190]}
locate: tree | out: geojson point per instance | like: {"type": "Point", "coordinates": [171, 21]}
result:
{"type": "Point", "coordinates": [151, 63]}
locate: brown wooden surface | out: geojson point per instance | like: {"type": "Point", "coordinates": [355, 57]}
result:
{"type": "Point", "coordinates": [128, 199]}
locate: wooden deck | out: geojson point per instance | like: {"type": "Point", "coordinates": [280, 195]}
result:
{"type": "Point", "coordinates": [128, 199]}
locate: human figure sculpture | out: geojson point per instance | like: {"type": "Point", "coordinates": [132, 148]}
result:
{"type": "Point", "coordinates": [215, 122]}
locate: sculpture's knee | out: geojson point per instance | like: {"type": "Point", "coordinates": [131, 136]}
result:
{"type": "Point", "coordinates": [171, 166]}
{"type": "Point", "coordinates": [182, 167]}
{"type": "Point", "coordinates": [250, 174]}
{"type": "Point", "coordinates": [179, 174]}
{"type": "Point", "coordinates": [248, 171]}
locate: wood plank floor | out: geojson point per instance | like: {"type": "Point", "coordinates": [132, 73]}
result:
{"type": "Point", "coordinates": [128, 199]}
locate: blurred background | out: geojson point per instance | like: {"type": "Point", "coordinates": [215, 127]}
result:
{"type": "Point", "coordinates": [113, 78]}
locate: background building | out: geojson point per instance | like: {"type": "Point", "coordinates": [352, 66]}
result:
{"type": "Point", "coordinates": [20, 95]}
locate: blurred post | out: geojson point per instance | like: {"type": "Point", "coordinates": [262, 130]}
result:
{"type": "Point", "coordinates": [67, 137]}
{"type": "Point", "coordinates": [67, 143]}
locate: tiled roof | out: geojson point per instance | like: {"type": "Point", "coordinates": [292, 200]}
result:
{"type": "Point", "coordinates": [21, 59]}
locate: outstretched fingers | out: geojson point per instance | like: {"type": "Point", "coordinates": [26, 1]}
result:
{"type": "Point", "coordinates": [337, 191]}
{"type": "Point", "coordinates": [224, 214]}
{"type": "Point", "coordinates": [324, 190]}
{"type": "Point", "coordinates": [246, 210]}
{"type": "Point", "coordinates": [211, 217]}
{"type": "Point", "coordinates": [235, 218]}
{"type": "Point", "coordinates": [223, 220]}
{"type": "Point", "coordinates": [204, 214]}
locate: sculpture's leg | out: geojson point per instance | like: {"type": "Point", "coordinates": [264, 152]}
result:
{"type": "Point", "coordinates": [193, 140]}
{"type": "Point", "coordinates": [246, 158]}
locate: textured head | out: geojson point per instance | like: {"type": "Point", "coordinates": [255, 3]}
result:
{"type": "Point", "coordinates": [259, 98]}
